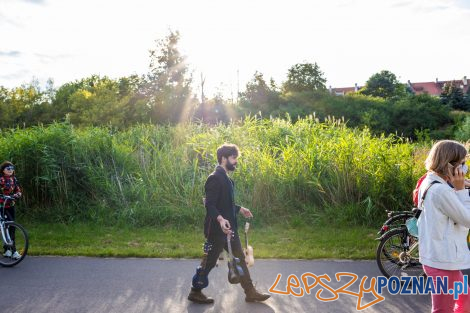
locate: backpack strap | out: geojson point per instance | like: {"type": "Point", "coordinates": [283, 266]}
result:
{"type": "Point", "coordinates": [426, 190]}
{"type": "Point", "coordinates": [418, 212]}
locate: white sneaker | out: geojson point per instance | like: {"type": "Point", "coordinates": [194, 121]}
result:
{"type": "Point", "coordinates": [7, 253]}
{"type": "Point", "coordinates": [16, 255]}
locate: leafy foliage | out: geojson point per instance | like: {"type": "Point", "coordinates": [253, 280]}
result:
{"type": "Point", "coordinates": [259, 96]}
{"type": "Point", "coordinates": [168, 85]}
{"type": "Point", "coordinates": [452, 96]}
{"type": "Point", "coordinates": [164, 96]}
{"type": "Point", "coordinates": [384, 85]}
{"type": "Point", "coordinates": [304, 77]}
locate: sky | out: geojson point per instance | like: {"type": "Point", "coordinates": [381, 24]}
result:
{"type": "Point", "coordinates": [227, 41]}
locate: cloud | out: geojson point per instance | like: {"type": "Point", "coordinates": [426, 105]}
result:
{"type": "Point", "coordinates": [402, 4]}
{"type": "Point", "coordinates": [40, 2]}
{"type": "Point", "coordinates": [36, 1]}
{"type": "Point", "coordinates": [4, 19]}
{"type": "Point", "coordinates": [10, 54]}
{"type": "Point", "coordinates": [423, 7]}
{"type": "Point", "coordinates": [432, 8]}
{"type": "Point", "coordinates": [47, 58]}
{"type": "Point", "coordinates": [15, 75]}
{"type": "Point", "coordinates": [347, 3]}
{"type": "Point", "coordinates": [464, 4]}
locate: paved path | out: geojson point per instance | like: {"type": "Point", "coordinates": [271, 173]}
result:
{"type": "Point", "coordinates": [79, 284]}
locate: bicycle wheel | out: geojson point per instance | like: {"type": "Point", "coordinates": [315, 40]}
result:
{"type": "Point", "coordinates": [16, 246]}
{"type": "Point", "coordinates": [394, 257]}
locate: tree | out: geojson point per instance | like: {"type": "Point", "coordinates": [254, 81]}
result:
{"type": "Point", "coordinates": [384, 85]}
{"type": "Point", "coordinates": [259, 96]}
{"type": "Point", "coordinates": [135, 106]}
{"type": "Point", "coordinates": [305, 77]}
{"type": "Point", "coordinates": [168, 87]}
{"type": "Point", "coordinates": [22, 106]}
{"type": "Point", "coordinates": [61, 101]}
{"type": "Point", "coordinates": [452, 96]}
{"type": "Point", "coordinates": [97, 104]}
{"type": "Point", "coordinates": [99, 100]}
{"type": "Point", "coordinates": [5, 108]}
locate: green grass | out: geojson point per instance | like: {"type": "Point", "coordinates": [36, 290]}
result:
{"type": "Point", "coordinates": [154, 175]}
{"type": "Point", "coordinates": [274, 241]}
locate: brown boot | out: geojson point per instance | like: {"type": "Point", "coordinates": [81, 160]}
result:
{"type": "Point", "coordinates": [252, 295]}
{"type": "Point", "coordinates": [197, 296]}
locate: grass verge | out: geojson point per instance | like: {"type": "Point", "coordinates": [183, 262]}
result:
{"type": "Point", "coordinates": [276, 241]}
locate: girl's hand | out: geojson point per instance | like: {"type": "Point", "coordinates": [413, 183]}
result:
{"type": "Point", "coordinates": [467, 182]}
{"type": "Point", "coordinates": [457, 178]}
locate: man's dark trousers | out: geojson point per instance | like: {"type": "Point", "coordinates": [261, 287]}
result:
{"type": "Point", "coordinates": [217, 245]}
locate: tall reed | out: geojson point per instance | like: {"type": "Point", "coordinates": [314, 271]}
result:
{"type": "Point", "coordinates": [154, 175]}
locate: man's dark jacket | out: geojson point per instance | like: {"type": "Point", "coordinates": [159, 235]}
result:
{"type": "Point", "coordinates": [219, 189]}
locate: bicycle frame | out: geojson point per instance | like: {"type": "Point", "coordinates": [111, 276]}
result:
{"type": "Point", "coordinates": [406, 255]}
{"type": "Point", "coordinates": [5, 235]}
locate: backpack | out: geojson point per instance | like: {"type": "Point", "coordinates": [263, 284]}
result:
{"type": "Point", "coordinates": [416, 190]}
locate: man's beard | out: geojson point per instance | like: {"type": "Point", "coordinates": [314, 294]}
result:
{"type": "Point", "coordinates": [230, 166]}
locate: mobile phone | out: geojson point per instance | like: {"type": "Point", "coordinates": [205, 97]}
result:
{"type": "Point", "coordinates": [452, 167]}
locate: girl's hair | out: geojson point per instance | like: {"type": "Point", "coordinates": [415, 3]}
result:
{"type": "Point", "coordinates": [442, 153]}
{"type": "Point", "coordinates": [3, 165]}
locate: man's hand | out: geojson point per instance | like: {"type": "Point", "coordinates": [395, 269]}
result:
{"type": "Point", "coordinates": [224, 224]}
{"type": "Point", "coordinates": [17, 195]}
{"type": "Point", "coordinates": [246, 213]}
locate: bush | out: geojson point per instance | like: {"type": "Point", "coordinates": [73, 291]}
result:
{"type": "Point", "coordinates": [463, 131]}
{"type": "Point", "coordinates": [154, 175]}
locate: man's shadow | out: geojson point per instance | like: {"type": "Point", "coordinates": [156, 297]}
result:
{"type": "Point", "coordinates": [256, 307]}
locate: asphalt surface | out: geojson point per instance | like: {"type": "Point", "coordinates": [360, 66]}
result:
{"type": "Point", "coordinates": [80, 284]}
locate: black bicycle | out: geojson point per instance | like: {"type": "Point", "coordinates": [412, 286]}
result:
{"type": "Point", "coordinates": [396, 219]}
{"type": "Point", "coordinates": [397, 252]}
{"type": "Point", "coordinates": [14, 237]}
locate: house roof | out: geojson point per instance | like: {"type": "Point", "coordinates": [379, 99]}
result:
{"type": "Point", "coordinates": [344, 90]}
{"type": "Point", "coordinates": [435, 88]}
{"type": "Point", "coordinates": [432, 88]}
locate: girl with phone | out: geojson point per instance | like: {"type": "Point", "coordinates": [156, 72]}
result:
{"type": "Point", "coordinates": [445, 221]}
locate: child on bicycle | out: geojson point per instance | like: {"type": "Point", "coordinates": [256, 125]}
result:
{"type": "Point", "coordinates": [9, 186]}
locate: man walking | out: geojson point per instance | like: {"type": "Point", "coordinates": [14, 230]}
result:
{"type": "Point", "coordinates": [221, 220]}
